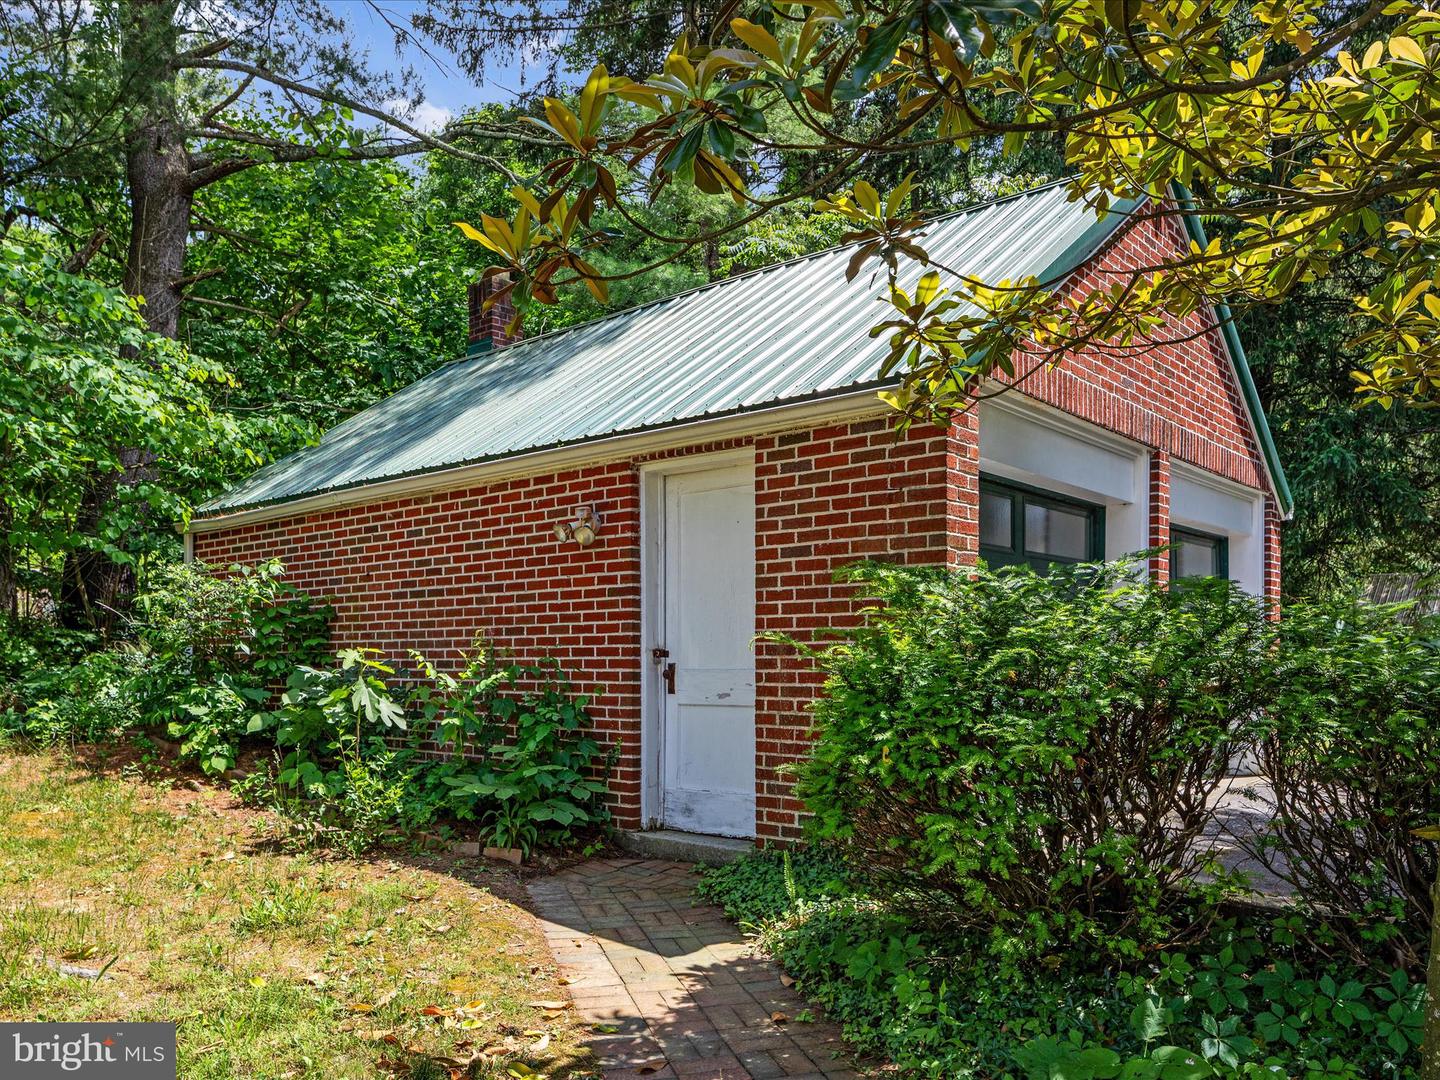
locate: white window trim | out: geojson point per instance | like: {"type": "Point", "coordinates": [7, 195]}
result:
{"type": "Point", "coordinates": [1246, 546]}
{"type": "Point", "coordinates": [1127, 517]}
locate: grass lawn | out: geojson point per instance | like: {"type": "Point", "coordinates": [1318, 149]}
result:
{"type": "Point", "coordinates": [273, 963]}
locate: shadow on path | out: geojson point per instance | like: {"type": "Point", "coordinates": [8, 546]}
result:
{"type": "Point", "coordinates": [672, 989]}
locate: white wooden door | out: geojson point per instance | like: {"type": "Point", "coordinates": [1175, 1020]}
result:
{"type": "Point", "coordinates": [707, 741]}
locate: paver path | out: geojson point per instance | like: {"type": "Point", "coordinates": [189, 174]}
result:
{"type": "Point", "coordinates": [673, 989]}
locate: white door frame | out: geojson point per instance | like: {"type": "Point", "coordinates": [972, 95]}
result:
{"type": "Point", "coordinates": [652, 608]}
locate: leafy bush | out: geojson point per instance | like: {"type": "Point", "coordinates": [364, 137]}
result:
{"type": "Point", "coordinates": [213, 647]}
{"type": "Point", "coordinates": [81, 700]}
{"type": "Point", "coordinates": [1034, 757]}
{"type": "Point", "coordinates": [769, 883]}
{"type": "Point", "coordinates": [205, 653]}
{"type": "Point", "coordinates": [1257, 996]}
{"type": "Point", "coordinates": [213, 719]}
{"type": "Point", "coordinates": [1353, 761]}
{"type": "Point", "coordinates": [354, 768]}
{"type": "Point", "coordinates": [329, 716]}
{"type": "Point", "coordinates": [543, 782]}
{"type": "Point", "coordinates": [339, 782]}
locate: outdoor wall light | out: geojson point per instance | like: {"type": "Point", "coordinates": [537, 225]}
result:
{"type": "Point", "coordinates": [582, 530]}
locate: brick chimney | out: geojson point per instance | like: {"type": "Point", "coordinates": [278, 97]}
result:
{"type": "Point", "coordinates": [488, 328]}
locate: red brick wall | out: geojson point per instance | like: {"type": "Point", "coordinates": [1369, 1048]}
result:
{"type": "Point", "coordinates": [1179, 396]}
{"type": "Point", "coordinates": [826, 498]}
{"type": "Point", "coordinates": [429, 572]}
{"type": "Point", "coordinates": [432, 571]}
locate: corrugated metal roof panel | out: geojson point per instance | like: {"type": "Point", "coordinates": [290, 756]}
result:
{"type": "Point", "coordinates": [786, 332]}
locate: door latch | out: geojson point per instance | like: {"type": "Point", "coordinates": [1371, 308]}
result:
{"type": "Point", "coordinates": [667, 671]}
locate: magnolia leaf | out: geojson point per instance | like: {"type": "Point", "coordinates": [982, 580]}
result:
{"type": "Point", "coordinates": [1404, 48]}
{"type": "Point", "coordinates": [758, 38]}
{"type": "Point", "coordinates": [592, 97]}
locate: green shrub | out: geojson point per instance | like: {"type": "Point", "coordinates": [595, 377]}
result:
{"type": "Point", "coordinates": [82, 700]}
{"type": "Point", "coordinates": [1353, 761]}
{"type": "Point", "coordinates": [764, 886]}
{"type": "Point", "coordinates": [354, 769]}
{"type": "Point", "coordinates": [249, 620]}
{"type": "Point", "coordinates": [204, 654]}
{"type": "Point", "coordinates": [340, 782]}
{"type": "Point", "coordinates": [1260, 995]}
{"type": "Point", "coordinates": [1033, 757]}
{"type": "Point", "coordinates": [543, 781]}
{"type": "Point", "coordinates": [212, 648]}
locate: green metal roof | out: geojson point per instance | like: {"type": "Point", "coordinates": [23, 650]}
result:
{"type": "Point", "coordinates": [783, 334]}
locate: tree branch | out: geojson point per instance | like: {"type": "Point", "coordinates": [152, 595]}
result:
{"type": "Point", "coordinates": [81, 258]}
{"type": "Point", "coordinates": [422, 139]}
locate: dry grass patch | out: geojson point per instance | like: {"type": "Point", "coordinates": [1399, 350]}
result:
{"type": "Point", "coordinates": [274, 964]}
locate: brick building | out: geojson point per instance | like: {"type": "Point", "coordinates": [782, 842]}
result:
{"type": "Point", "coordinates": [639, 496]}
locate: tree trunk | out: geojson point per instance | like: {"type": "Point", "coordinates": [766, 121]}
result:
{"type": "Point", "coordinates": [157, 166]}
{"type": "Point", "coordinates": [95, 588]}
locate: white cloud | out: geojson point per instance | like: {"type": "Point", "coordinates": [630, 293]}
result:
{"type": "Point", "coordinates": [426, 116]}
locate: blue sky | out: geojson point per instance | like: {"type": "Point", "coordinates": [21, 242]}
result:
{"type": "Point", "coordinates": [448, 92]}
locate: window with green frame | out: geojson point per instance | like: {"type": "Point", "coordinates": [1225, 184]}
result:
{"type": "Point", "coordinates": [1198, 554]}
{"type": "Point", "coordinates": [1021, 524]}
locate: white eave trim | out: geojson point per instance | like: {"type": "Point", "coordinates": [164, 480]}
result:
{"type": "Point", "coordinates": [856, 405]}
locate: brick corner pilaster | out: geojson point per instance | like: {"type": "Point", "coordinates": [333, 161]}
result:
{"type": "Point", "coordinates": [962, 488]}
{"type": "Point", "coordinates": [1159, 516]}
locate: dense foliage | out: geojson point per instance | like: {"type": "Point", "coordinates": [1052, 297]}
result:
{"type": "Point", "coordinates": [1351, 761]}
{"type": "Point", "coordinates": [1366, 481]}
{"type": "Point", "coordinates": [236, 670]}
{"type": "Point", "coordinates": [1026, 862]}
{"type": "Point", "coordinates": [1040, 759]}
{"type": "Point", "coordinates": [90, 397]}
{"type": "Point", "coordinates": [204, 653]}
{"type": "Point", "coordinates": [1036, 756]}
{"type": "Point", "coordinates": [1257, 996]}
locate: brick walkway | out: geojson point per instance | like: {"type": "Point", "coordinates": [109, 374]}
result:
{"type": "Point", "coordinates": [672, 989]}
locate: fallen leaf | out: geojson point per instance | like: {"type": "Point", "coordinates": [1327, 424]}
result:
{"type": "Point", "coordinates": [649, 1067]}
{"type": "Point", "coordinates": [387, 997]}
{"type": "Point", "coordinates": [360, 1007]}
{"type": "Point", "coordinates": [432, 1010]}
{"type": "Point", "coordinates": [316, 978]}
{"type": "Point", "coordinates": [373, 1034]}
{"type": "Point", "coordinates": [541, 1045]}
{"type": "Point", "coordinates": [549, 1005]}
{"type": "Point", "coordinates": [257, 981]}
{"type": "Point", "coordinates": [474, 1006]}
